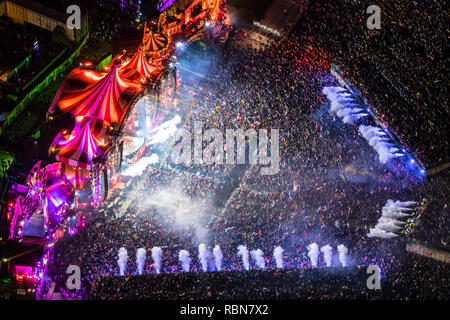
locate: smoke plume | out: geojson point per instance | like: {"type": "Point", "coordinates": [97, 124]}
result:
{"type": "Point", "coordinates": [203, 256]}
{"type": "Point", "coordinates": [278, 255]}
{"type": "Point", "coordinates": [243, 252]}
{"type": "Point", "coordinates": [185, 260]}
{"type": "Point", "coordinates": [218, 256]}
{"type": "Point", "coordinates": [328, 254]}
{"type": "Point", "coordinates": [313, 253]}
{"type": "Point", "coordinates": [258, 257]}
{"type": "Point", "coordinates": [140, 259]}
{"type": "Point", "coordinates": [122, 262]}
{"type": "Point", "coordinates": [156, 256]}
{"type": "Point", "coordinates": [342, 254]}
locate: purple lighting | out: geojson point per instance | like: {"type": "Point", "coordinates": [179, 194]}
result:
{"type": "Point", "coordinates": [164, 4]}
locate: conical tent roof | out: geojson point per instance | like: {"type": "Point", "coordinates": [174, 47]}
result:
{"type": "Point", "coordinates": [138, 63]}
{"type": "Point", "coordinates": [84, 144]}
{"type": "Point", "coordinates": [103, 99]}
{"type": "Point", "coordinates": [155, 41]}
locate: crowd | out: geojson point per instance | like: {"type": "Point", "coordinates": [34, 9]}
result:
{"type": "Point", "coordinates": [329, 190]}
{"type": "Point", "coordinates": [104, 16]}
{"type": "Point", "coordinates": [401, 68]}
{"type": "Point", "coordinates": [283, 284]}
{"type": "Point", "coordinates": [286, 284]}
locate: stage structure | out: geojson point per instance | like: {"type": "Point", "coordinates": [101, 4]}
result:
{"type": "Point", "coordinates": [116, 115]}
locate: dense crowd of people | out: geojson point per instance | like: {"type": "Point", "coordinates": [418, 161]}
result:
{"type": "Point", "coordinates": [401, 68]}
{"type": "Point", "coordinates": [330, 190]}
{"type": "Point", "coordinates": [286, 284]}
{"type": "Point", "coordinates": [282, 284]}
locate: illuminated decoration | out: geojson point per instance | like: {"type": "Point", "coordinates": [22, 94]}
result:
{"type": "Point", "coordinates": [58, 194]}
{"type": "Point", "coordinates": [140, 64]}
{"type": "Point", "coordinates": [104, 99]}
{"type": "Point", "coordinates": [216, 35]}
{"type": "Point", "coordinates": [36, 181]}
{"type": "Point", "coordinates": [83, 145]}
{"type": "Point", "coordinates": [155, 41]}
{"type": "Point", "coordinates": [49, 193]}
{"type": "Point", "coordinates": [102, 104]}
{"type": "Point", "coordinates": [164, 5]}
{"type": "Point", "coordinates": [96, 186]}
{"type": "Point", "coordinates": [138, 168]}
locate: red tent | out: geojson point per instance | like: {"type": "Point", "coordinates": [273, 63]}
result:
{"type": "Point", "coordinates": [85, 143]}
{"type": "Point", "coordinates": [106, 99]}
{"type": "Point", "coordinates": [140, 64]}
{"type": "Point", "coordinates": [155, 41]}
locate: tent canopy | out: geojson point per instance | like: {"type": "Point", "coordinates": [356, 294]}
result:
{"type": "Point", "coordinates": [155, 41]}
{"type": "Point", "coordinates": [105, 99]}
{"type": "Point", "coordinates": [140, 64]}
{"type": "Point", "coordinates": [83, 145]}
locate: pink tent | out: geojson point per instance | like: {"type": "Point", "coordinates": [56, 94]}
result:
{"type": "Point", "coordinates": [83, 145]}
{"type": "Point", "coordinates": [106, 99]}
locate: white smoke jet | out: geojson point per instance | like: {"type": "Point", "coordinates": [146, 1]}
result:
{"type": "Point", "coordinates": [390, 227]}
{"type": "Point", "coordinates": [374, 140]}
{"type": "Point", "coordinates": [344, 105]}
{"type": "Point", "coordinates": [332, 91]}
{"type": "Point", "coordinates": [203, 256]}
{"type": "Point", "coordinates": [218, 256]}
{"type": "Point", "coordinates": [258, 257]}
{"type": "Point", "coordinates": [164, 131]}
{"type": "Point", "coordinates": [396, 209]}
{"type": "Point", "coordinates": [380, 142]}
{"type": "Point", "coordinates": [369, 131]}
{"type": "Point", "coordinates": [243, 252]}
{"type": "Point", "coordinates": [377, 233]}
{"type": "Point", "coordinates": [343, 251]}
{"type": "Point", "coordinates": [388, 224]}
{"type": "Point", "coordinates": [140, 259]}
{"type": "Point", "coordinates": [336, 107]}
{"type": "Point", "coordinates": [328, 254]}
{"type": "Point", "coordinates": [138, 168]}
{"type": "Point", "coordinates": [278, 255]}
{"type": "Point", "coordinates": [122, 262]}
{"type": "Point", "coordinates": [352, 118]}
{"type": "Point", "coordinates": [185, 260]}
{"type": "Point", "coordinates": [156, 256]}
{"type": "Point", "coordinates": [404, 204]}
{"type": "Point", "coordinates": [181, 209]}
{"type": "Point", "coordinates": [347, 111]}
{"type": "Point", "coordinates": [384, 220]}
{"type": "Point", "coordinates": [313, 253]}
{"type": "Point", "coordinates": [394, 214]}
{"type": "Point", "coordinates": [391, 222]}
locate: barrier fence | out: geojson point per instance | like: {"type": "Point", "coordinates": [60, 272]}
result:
{"type": "Point", "coordinates": [429, 252]}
